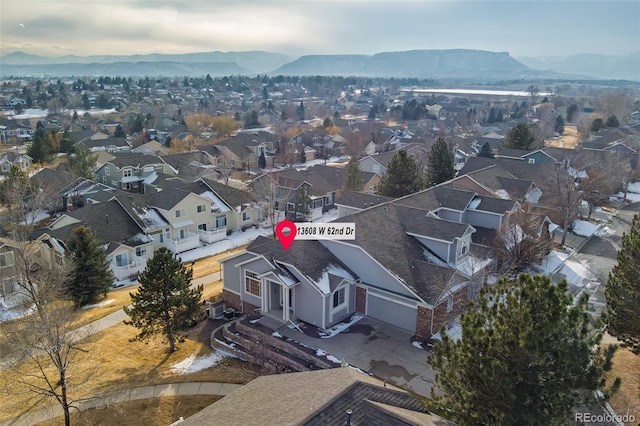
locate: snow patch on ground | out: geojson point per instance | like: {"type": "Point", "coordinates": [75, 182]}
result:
{"type": "Point", "coordinates": [417, 344]}
{"type": "Point", "coordinates": [193, 363]}
{"type": "Point", "coordinates": [634, 187]}
{"type": "Point", "coordinates": [584, 228]}
{"type": "Point", "coordinates": [234, 240]}
{"type": "Point", "coordinates": [9, 314]}
{"type": "Point", "coordinates": [276, 334]}
{"type": "Point", "coordinates": [336, 329]}
{"type": "Point", "coordinates": [98, 305]}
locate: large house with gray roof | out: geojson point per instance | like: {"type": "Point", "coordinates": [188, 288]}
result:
{"type": "Point", "coordinates": [129, 171]}
{"type": "Point", "coordinates": [413, 264]}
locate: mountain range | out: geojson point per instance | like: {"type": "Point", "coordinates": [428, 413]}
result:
{"type": "Point", "coordinates": [448, 64]}
{"type": "Point", "coordinates": [600, 66]}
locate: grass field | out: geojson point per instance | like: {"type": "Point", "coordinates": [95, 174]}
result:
{"type": "Point", "coordinates": [626, 365]}
{"type": "Point", "coordinates": [114, 362]}
{"type": "Point", "coordinates": [145, 412]}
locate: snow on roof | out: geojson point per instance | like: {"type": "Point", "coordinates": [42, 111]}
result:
{"type": "Point", "coordinates": [475, 203]}
{"type": "Point", "coordinates": [216, 202]}
{"type": "Point", "coordinates": [503, 194]}
{"type": "Point", "coordinates": [151, 219]}
{"type": "Point", "coordinates": [182, 224]}
{"type": "Point", "coordinates": [151, 178]}
{"type": "Point", "coordinates": [143, 238]}
{"type": "Point", "coordinates": [323, 282]}
{"type": "Point", "coordinates": [130, 179]}
{"type": "Point", "coordinates": [534, 195]}
{"type": "Point", "coordinates": [287, 280]}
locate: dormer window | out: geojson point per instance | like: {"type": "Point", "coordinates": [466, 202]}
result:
{"type": "Point", "coordinates": [463, 247]}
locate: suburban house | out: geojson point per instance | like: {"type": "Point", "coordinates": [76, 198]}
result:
{"type": "Point", "coordinates": [21, 161]}
{"type": "Point", "coordinates": [15, 133]}
{"type": "Point", "coordinates": [378, 163]}
{"type": "Point", "coordinates": [243, 150]}
{"type": "Point", "coordinates": [10, 295]}
{"type": "Point", "coordinates": [307, 195]}
{"type": "Point", "coordinates": [337, 176]}
{"type": "Point", "coordinates": [127, 246]}
{"type": "Point", "coordinates": [335, 397]}
{"type": "Point", "coordinates": [350, 202]}
{"type": "Point", "coordinates": [128, 171]}
{"type": "Point", "coordinates": [413, 264]}
{"type": "Point", "coordinates": [109, 144]}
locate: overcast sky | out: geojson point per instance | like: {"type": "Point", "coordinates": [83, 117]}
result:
{"type": "Point", "coordinates": [298, 27]}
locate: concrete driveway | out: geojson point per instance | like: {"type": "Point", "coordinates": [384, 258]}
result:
{"type": "Point", "coordinates": [379, 349]}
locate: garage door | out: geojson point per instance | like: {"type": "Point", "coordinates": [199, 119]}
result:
{"type": "Point", "coordinates": [388, 311]}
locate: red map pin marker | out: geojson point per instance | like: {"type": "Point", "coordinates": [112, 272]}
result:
{"type": "Point", "coordinates": [286, 232]}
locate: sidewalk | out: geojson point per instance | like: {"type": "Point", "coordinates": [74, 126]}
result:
{"type": "Point", "coordinates": [126, 395]}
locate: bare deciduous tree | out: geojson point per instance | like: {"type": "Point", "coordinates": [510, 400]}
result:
{"type": "Point", "coordinates": [523, 240]}
{"type": "Point", "coordinates": [46, 357]}
{"type": "Point", "coordinates": [272, 197]}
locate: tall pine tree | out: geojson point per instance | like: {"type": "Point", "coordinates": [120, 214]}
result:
{"type": "Point", "coordinates": [91, 276]}
{"type": "Point", "coordinates": [353, 181]}
{"type": "Point", "coordinates": [527, 356]}
{"type": "Point", "coordinates": [521, 137]}
{"type": "Point", "coordinates": [441, 161]}
{"type": "Point", "coordinates": [402, 177]}
{"type": "Point", "coordinates": [262, 160]}
{"type": "Point", "coordinates": [623, 291]}
{"type": "Point", "coordinates": [164, 303]}
{"type": "Point", "coordinates": [485, 151]}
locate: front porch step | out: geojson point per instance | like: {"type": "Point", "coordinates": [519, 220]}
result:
{"type": "Point", "coordinates": [256, 344]}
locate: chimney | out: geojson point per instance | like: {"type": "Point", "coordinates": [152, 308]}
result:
{"type": "Point", "coordinates": [348, 422]}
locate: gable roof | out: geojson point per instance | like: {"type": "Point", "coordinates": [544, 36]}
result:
{"type": "Point", "coordinates": [133, 159]}
{"type": "Point", "coordinates": [336, 176]}
{"type": "Point", "coordinates": [309, 257]}
{"type": "Point", "coordinates": [95, 144]}
{"type": "Point", "coordinates": [315, 398]}
{"type": "Point", "coordinates": [360, 200]}
{"type": "Point", "coordinates": [108, 221]}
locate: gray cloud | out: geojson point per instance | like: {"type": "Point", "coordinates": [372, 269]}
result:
{"type": "Point", "coordinates": [297, 27]}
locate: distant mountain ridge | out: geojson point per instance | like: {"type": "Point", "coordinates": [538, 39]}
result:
{"type": "Point", "coordinates": [253, 61]}
{"type": "Point", "coordinates": [625, 67]}
{"type": "Point", "coordinates": [450, 64]}
{"type": "Point", "coordinates": [461, 64]}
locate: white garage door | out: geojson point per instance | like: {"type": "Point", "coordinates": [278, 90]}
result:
{"type": "Point", "coordinates": [388, 311]}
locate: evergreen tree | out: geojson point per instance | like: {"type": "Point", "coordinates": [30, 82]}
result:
{"type": "Point", "coordinates": [353, 181]}
{"type": "Point", "coordinates": [119, 132]}
{"type": "Point", "coordinates": [492, 116]}
{"type": "Point", "coordinates": [262, 160]}
{"type": "Point", "coordinates": [38, 148]}
{"type": "Point", "coordinates": [164, 303]}
{"type": "Point", "coordinates": [66, 142]}
{"type": "Point", "coordinates": [520, 137]}
{"type": "Point", "coordinates": [527, 356]}
{"type": "Point", "coordinates": [91, 276]}
{"type": "Point", "coordinates": [82, 162]}
{"type": "Point", "coordinates": [441, 161]}
{"type": "Point", "coordinates": [613, 121]}
{"type": "Point", "coordinates": [571, 112]}
{"type": "Point", "coordinates": [485, 151]}
{"type": "Point", "coordinates": [300, 111]}
{"type": "Point", "coordinates": [265, 93]}
{"type": "Point", "coordinates": [623, 291]}
{"type": "Point", "coordinates": [500, 117]}
{"type": "Point", "coordinates": [559, 125]}
{"type": "Point", "coordinates": [251, 120]}
{"type": "Point", "coordinates": [597, 124]}
{"type": "Point", "coordinates": [402, 176]}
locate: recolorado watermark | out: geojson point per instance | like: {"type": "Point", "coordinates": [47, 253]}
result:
{"type": "Point", "coordinates": [604, 418]}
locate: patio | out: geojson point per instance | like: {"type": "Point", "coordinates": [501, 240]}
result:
{"type": "Point", "coordinates": [378, 348]}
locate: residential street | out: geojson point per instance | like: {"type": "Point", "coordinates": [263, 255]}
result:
{"type": "Point", "coordinates": [598, 254]}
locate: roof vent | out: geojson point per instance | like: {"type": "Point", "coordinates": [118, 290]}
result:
{"type": "Point", "coordinates": [348, 421]}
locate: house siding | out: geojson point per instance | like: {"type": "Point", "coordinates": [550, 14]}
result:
{"type": "Point", "coordinates": [366, 268]}
{"type": "Point", "coordinates": [440, 315]}
{"type": "Point", "coordinates": [477, 218]}
{"type": "Point", "coordinates": [308, 304]}
{"type": "Point", "coordinates": [440, 248]}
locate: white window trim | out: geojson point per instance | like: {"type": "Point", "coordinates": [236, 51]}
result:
{"type": "Point", "coordinates": [107, 171]}
{"type": "Point", "coordinates": [345, 302]}
{"type": "Point", "coordinates": [258, 280]}
{"type": "Point", "coordinates": [180, 213]}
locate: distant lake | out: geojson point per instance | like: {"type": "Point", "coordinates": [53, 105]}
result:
{"type": "Point", "coordinates": [474, 92]}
